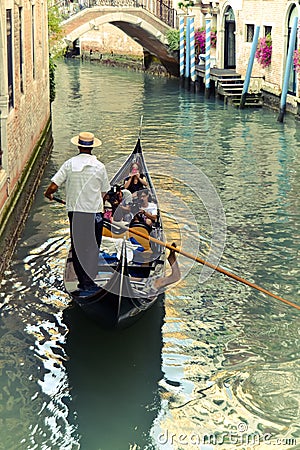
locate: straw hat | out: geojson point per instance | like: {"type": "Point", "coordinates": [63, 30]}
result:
{"type": "Point", "coordinates": [86, 139]}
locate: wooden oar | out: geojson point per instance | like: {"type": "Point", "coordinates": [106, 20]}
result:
{"type": "Point", "coordinates": [217, 268]}
{"type": "Point", "coordinates": [202, 261]}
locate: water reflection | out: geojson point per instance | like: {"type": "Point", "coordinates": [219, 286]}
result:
{"type": "Point", "coordinates": [114, 378]}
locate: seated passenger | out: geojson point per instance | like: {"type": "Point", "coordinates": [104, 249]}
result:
{"type": "Point", "coordinates": [136, 180]}
{"type": "Point", "coordinates": [148, 210]}
{"type": "Point", "coordinates": [117, 204]}
{"type": "Point", "coordinates": [123, 210]}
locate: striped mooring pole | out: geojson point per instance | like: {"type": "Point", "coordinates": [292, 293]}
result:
{"type": "Point", "coordinates": [181, 45]}
{"type": "Point", "coordinates": [187, 49]}
{"type": "Point", "coordinates": [192, 49]}
{"type": "Point", "coordinates": [208, 18]}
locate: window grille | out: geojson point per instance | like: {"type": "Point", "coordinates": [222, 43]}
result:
{"type": "Point", "coordinates": [249, 32]}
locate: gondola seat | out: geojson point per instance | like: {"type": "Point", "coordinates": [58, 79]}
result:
{"type": "Point", "coordinates": [142, 240]}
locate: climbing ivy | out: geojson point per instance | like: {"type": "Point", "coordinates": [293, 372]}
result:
{"type": "Point", "coordinates": [52, 67]}
{"type": "Point", "coordinates": [54, 33]}
{"type": "Point", "coordinates": [54, 21]}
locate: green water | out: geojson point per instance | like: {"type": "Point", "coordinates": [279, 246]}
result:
{"type": "Point", "coordinates": [216, 365]}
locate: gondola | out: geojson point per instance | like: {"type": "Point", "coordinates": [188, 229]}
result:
{"type": "Point", "coordinates": [128, 263]}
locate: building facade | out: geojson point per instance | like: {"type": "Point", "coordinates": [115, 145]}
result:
{"type": "Point", "coordinates": [235, 22]}
{"type": "Point", "coordinates": [25, 127]}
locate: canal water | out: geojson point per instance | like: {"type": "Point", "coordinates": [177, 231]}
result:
{"type": "Point", "coordinates": [215, 365]}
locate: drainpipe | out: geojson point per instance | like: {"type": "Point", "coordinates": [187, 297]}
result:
{"type": "Point", "coordinates": [192, 51]}
{"type": "Point", "coordinates": [249, 68]}
{"type": "Point", "coordinates": [181, 45]}
{"type": "Point", "coordinates": [289, 62]}
{"type": "Point", "coordinates": [208, 18]}
{"type": "Point", "coordinates": [187, 50]}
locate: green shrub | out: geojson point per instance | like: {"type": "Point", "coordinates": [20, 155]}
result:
{"type": "Point", "coordinates": [173, 39]}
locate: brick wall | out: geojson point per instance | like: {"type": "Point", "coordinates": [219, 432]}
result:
{"type": "Point", "coordinates": [25, 122]}
{"type": "Point", "coordinates": [25, 126]}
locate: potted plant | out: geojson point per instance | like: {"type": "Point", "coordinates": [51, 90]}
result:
{"type": "Point", "coordinates": [185, 5]}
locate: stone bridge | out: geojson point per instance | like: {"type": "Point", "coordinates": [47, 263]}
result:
{"type": "Point", "coordinates": [138, 23]}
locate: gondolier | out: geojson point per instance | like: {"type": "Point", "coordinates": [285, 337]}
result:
{"type": "Point", "coordinates": [86, 183]}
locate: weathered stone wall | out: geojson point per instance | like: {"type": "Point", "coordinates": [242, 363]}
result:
{"type": "Point", "coordinates": [264, 13]}
{"type": "Point", "coordinates": [24, 124]}
{"type": "Point", "coordinates": [110, 39]}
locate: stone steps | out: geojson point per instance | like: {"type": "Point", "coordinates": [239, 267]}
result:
{"type": "Point", "coordinates": [231, 88]}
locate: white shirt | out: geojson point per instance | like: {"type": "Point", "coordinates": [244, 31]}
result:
{"type": "Point", "coordinates": [151, 209]}
{"type": "Point", "coordinates": [85, 179]}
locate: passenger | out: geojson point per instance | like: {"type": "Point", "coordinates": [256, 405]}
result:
{"type": "Point", "coordinates": [119, 203]}
{"type": "Point", "coordinates": [123, 210]}
{"type": "Point", "coordinates": [127, 205]}
{"type": "Point", "coordinates": [136, 180]}
{"type": "Point", "coordinates": [148, 210]}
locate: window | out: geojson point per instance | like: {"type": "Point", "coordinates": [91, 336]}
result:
{"type": "Point", "coordinates": [267, 30]}
{"type": "Point", "coordinates": [10, 72]}
{"type": "Point", "coordinates": [249, 32]}
{"type": "Point", "coordinates": [21, 48]}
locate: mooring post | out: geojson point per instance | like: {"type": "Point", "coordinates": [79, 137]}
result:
{"type": "Point", "coordinates": [208, 18]}
{"type": "Point", "coordinates": [181, 45]}
{"type": "Point", "coordinates": [289, 62]}
{"type": "Point", "coordinates": [249, 68]}
{"type": "Point", "coordinates": [187, 51]}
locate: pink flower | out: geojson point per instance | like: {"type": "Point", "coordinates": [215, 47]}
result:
{"type": "Point", "coordinates": [296, 60]}
{"type": "Point", "coordinates": [264, 51]}
{"type": "Point", "coordinates": [200, 40]}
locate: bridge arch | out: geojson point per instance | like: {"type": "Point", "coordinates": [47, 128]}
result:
{"type": "Point", "coordinates": [117, 18]}
{"type": "Point", "coordinates": [137, 23]}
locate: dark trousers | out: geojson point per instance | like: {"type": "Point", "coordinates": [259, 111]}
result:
{"type": "Point", "coordinates": [86, 236]}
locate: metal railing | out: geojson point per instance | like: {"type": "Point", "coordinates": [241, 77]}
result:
{"type": "Point", "coordinates": [158, 8]}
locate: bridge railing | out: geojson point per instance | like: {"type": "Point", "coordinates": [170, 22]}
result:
{"type": "Point", "coordinates": [160, 9]}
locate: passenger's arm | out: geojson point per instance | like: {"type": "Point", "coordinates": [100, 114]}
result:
{"type": "Point", "coordinates": [127, 182]}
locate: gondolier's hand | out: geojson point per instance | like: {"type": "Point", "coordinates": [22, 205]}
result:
{"type": "Point", "coordinates": [49, 196]}
{"type": "Point", "coordinates": [50, 191]}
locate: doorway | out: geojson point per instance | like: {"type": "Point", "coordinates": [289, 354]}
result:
{"type": "Point", "coordinates": [229, 44]}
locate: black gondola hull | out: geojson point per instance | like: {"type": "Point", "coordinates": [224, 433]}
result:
{"type": "Point", "coordinates": [103, 307]}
